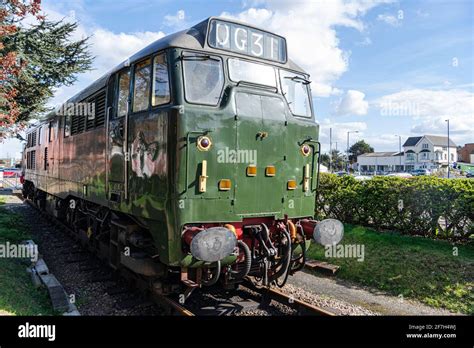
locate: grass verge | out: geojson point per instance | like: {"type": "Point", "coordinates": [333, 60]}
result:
{"type": "Point", "coordinates": [414, 267]}
{"type": "Point", "coordinates": [17, 294]}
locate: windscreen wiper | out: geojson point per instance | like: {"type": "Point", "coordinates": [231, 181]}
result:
{"type": "Point", "coordinates": [297, 78]}
{"type": "Point", "coordinates": [199, 57]}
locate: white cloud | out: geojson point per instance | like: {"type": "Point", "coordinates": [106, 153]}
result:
{"type": "Point", "coordinates": [309, 27]}
{"type": "Point", "coordinates": [111, 48]}
{"type": "Point", "coordinates": [389, 19]}
{"type": "Point", "coordinates": [430, 108]}
{"type": "Point", "coordinates": [108, 48]}
{"type": "Point", "coordinates": [353, 103]}
{"type": "Point", "coordinates": [177, 21]}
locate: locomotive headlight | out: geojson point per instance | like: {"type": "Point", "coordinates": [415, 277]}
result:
{"type": "Point", "coordinates": [305, 150]}
{"type": "Point", "coordinates": [204, 143]}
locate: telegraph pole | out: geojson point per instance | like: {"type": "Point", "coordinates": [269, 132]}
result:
{"type": "Point", "coordinates": [330, 149]}
{"type": "Point", "coordinates": [448, 147]}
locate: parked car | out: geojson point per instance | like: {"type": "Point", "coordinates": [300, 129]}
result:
{"type": "Point", "coordinates": [341, 173]}
{"type": "Point", "coordinates": [419, 172]}
{"type": "Point", "coordinates": [401, 175]}
{"type": "Point", "coordinates": [362, 177]}
{"type": "Point", "coordinates": [470, 175]}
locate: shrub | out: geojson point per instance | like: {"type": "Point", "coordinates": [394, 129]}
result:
{"type": "Point", "coordinates": [425, 205]}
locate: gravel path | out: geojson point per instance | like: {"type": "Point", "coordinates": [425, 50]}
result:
{"type": "Point", "coordinates": [362, 297]}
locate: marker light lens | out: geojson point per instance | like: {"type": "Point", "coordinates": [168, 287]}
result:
{"type": "Point", "coordinates": [291, 184]}
{"type": "Point", "coordinates": [252, 170]}
{"type": "Point", "coordinates": [305, 150]}
{"type": "Point", "coordinates": [270, 171]}
{"type": "Point", "coordinates": [225, 185]}
{"type": "Point", "coordinates": [204, 143]}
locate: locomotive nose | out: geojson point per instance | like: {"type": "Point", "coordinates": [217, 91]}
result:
{"type": "Point", "coordinates": [213, 244]}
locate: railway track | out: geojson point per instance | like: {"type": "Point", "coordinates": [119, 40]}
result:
{"type": "Point", "coordinates": [98, 272]}
{"type": "Point", "coordinates": [273, 294]}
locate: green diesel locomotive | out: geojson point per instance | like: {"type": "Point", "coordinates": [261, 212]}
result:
{"type": "Point", "coordinates": [194, 162]}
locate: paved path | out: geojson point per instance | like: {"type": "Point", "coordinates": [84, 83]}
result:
{"type": "Point", "coordinates": [368, 298]}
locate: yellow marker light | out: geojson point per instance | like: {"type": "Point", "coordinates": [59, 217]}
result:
{"type": "Point", "coordinates": [291, 185]}
{"type": "Point", "coordinates": [224, 185]}
{"type": "Point", "coordinates": [270, 171]}
{"type": "Point", "coordinates": [252, 170]}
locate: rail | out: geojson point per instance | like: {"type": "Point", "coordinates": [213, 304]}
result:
{"type": "Point", "coordinates": [302, 308]}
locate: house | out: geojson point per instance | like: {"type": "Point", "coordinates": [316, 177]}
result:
{"type": "Point", "coordinates": [422, 152]}
{"type": "Point", "coordinates": [428, 152]}
{"type": "Point", "coordinates": [466, 153]}
{"type": "Point", "coordinates": [380, 162]}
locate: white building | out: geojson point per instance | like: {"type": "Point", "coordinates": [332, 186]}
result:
{"type": "Point", "coordinates": [423, 152]}
{"type": "Point", "coordinates": [381, 162]}
{"type": "Point", "coordinates": [428, 151]}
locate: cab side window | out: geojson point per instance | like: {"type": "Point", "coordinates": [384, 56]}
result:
{"type": "Point", "coordinates": [161, 83]}
{"type": "Point", "coordinates": [123, 93]}
{"type": "Point", "coordinates": [141, 88]}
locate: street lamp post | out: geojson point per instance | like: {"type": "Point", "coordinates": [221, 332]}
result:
{"type": "Point", "coordinates": [347, 152]}
{"type": "Point", "coordinates": [399, 149]}
{"type": "Point", "coordinates": [330, 149]}
{"type": "Point", "coordinates": [448, 147]}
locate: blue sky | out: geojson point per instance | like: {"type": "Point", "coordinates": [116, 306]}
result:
{"type": "Point", "coordinates": [383, 68]}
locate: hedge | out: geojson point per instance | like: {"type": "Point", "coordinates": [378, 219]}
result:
{"type": "Point", "coordinates": [425, 205]}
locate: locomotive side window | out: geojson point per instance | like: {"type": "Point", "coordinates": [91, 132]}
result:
{"type": "Point", "coordinates": [296, 91]}
{"type": "Point", "coordinates": [124, 91]}
{"type": "Point", "coordinates": [203, 78]}
{"type": "Point", "coordinates": [161, 83]}
{"type": "Point", "coordinates": [141, 88]}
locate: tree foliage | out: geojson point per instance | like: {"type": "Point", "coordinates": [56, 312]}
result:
{"type": "Point", "coordinates": [35, 60]}
{"type": "Point", "coordinates": [359, 148]}
{"type": "Point", "coordinates": [337, 160]}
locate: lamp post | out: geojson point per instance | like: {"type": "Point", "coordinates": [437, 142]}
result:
{"type": "Point", "coordinates": [448, 147]}
{"type": "Point", "coordinates": [400, 149]}
{"type": "Point", "coordinates": [347, 152]}
{"type": "Point", "coordinates": [330, 149]}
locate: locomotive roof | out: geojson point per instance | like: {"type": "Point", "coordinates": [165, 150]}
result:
{"type": "Point", "coordinates": [191, 38]}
